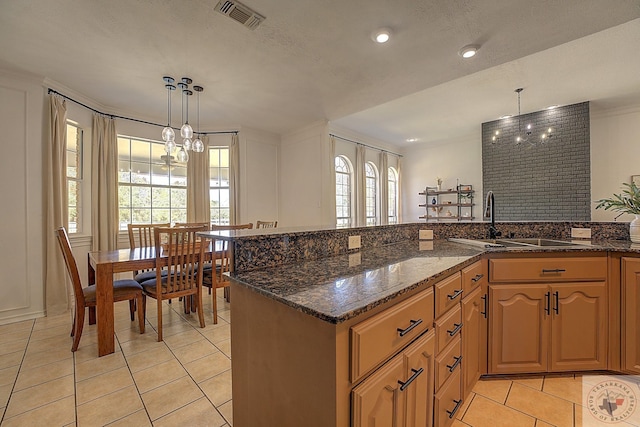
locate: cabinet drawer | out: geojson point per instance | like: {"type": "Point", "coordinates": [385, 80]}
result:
{"type": "Point", "coordinates": [547, 269]}
{"type": "Point", "coordinates": [448, 361]}
{"type": "Point", "coordinates": [473, 276]}
{"type": "Point", "coordinates": [448, 293]}
{"type": "Point", "coordinates": [448, 401]}
{"type": "Point", "coordinates": [377, 338]}
{"type": "Point", "coordinates": [448, 327]}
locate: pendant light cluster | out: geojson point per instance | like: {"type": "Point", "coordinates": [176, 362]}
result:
{"type": "Point", "coordinates": [186, 131]}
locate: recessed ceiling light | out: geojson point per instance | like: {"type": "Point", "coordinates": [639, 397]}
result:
{"type": "Point", "coordinates": [469, 51]}
{"type": "Point", "coordinates": [382, 35]}
{"type": "Point", "coordinates": [412, 139]}
{"type": "Point", "coordinates": [551, 107]}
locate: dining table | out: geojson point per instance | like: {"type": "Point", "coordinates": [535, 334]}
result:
{"type": "Point", "coordinates": [102, 265]}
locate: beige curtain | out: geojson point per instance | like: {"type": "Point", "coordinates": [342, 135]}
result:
{"type": "Point", "coordinates": [384, 188]}
{"type": "Point", "coordinates": [198, 209]}
{"type": "Point", "coordinates": [56, 291]}
{"type": "Point", "coordinates": [332, 181]}
{"type": "Point", "coordinates": [399, 195]}
{"type": "Point", "coordinates": [104, 183]}
{"type": "Point", "coordinates": [234, 174]}
{"type": "Point", "coordinates": [360, 189]}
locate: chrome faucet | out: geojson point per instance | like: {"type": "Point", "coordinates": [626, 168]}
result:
{"type": "Point", "coordinates": [489, 211]}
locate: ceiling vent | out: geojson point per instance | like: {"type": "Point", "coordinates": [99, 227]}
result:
{"type": "Point", "coordinates": [241, 13]}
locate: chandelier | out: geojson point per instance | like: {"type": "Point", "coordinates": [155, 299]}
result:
{"type": "Point", "coordinates": [186, 131]}
{"type": "Point", "coordinates": [524, 136]}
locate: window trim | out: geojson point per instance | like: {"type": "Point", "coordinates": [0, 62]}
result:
{"type": "Point", "coordinates": [349, 174]}
{"type": "Point", "coordinates": [78, 179]}
{"type": "Point", "coordinates": [391, 172]}
{"type": "Point", "coordinates": [376, 193]}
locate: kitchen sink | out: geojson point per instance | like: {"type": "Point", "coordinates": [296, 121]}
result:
{"type": "Point", "coordinates": [519, 243]}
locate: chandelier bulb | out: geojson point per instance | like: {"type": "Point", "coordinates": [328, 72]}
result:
{"type": "Point", "coordinates": [170, 147]}
{"type": "Point", "coordinates": [168, 134]}
{"type": "Point", "coordinates": [182, 156]}
{"type": "Point", "coordinates": [187, 144]}
{"type": "Point", "coordinates": [198, 145]}
{"type": "Point", "coordinates": [186, 131]}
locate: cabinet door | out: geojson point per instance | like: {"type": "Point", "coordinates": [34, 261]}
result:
{"type": "Point", "coordinates": [518, 328]}
{"type": "Point", "coordinates": [419, 394]}
{"type": "Point", "coordinates": [378, 401]}
{"type": "Point", "coordinates": [578, 329]}
{"type": "Point", "coordinates": [631, 314]}
{"type": "Point", "coordinates": [472, 335]}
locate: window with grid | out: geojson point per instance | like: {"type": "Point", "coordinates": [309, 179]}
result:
{"type": "Point", "coordinates": [392, 177]}
{"type": "Point", "coordinates": [219, 185]}
{"type": "Point", "coordinates": [343, 192]}
{"type": "Point", "coordinates": [152, 186]}
{"type": "Point", "coordinates": [74, 177]}
{"type": "Point", "coordinates": [371, 184]}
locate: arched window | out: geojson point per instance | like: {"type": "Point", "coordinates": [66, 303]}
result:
{"type": "Point", "coordinates": [343, 192]}
{"type": "Point", "coordinates": [392, 177]}
{"type": "Point", "coordinates": [371, 185]}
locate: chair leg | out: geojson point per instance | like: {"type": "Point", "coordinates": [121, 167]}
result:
{"type": "Point", "coordinates": [132, 308]}
{"type": "Point", "coordinates": [92, 315]}
{"type": "Point", "coordinates": [159, 301]}
{"type": "Point", "coordinates": [140, 304]}
{"type": "Point", "coordinates": [215, 306]}
{"type": "Point", "coordinates": [198, 302]}
{"type": "Point", "coordinates": [73, 325]}
{"type": "Point", "coordinates": [79, 324]}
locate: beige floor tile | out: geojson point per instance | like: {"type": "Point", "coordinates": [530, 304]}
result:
{"type": "Point", "coordinates": [95, 367]}
{"type": "Point", "coordinates": [188, 337]}
{"type": "Point", "coordinates": [225, 315]}
{"type": "Point", "coordinates": [62, 332]}
{"type": "Point", "coordinates": [221, 333]}
{"type": "Point", "coordinates": [41, 374]}
{"type": "Point", "coordinates": [227, 411]}
{"type": "Point", "coordinates": [208, 366]}
{"type": "Point", "coordinates": [19, 335]}
{"type": "Point", "coordinates": [34, 397]}
{"type": "Point", "coordinates": [17, 326]}
{"type": "Point", "coordinates": [5, 392]}
{"type": "Point", "coordinates": [164, 400]}
{"type": "Point", "coordinates": [158, 375]}
{"type": "Point", "coordinates": [567, 388]}
{"type": "Point", "coordinates": [225, 347]}
{"type": "Point", "coordinates": [101, 385]}
{"type": "Point", "coordinates": [199, 413]}
{"type": "Point", "coordinates": [218, 388]}
{"type": "Point", "coordinates": [546, 407]}
{"type": "Point", "coordinates": [494, 389]}
{"type": "Point", "coordinates": [485, 412]}
{"type": "Point", "coordinates": [14, 346]}
{"type": "Point", "coordinates": [59, 413]}
{"type": "Point", "coordinates": [176, 328]}
{"type": "Point", "coordinates": [465, 406]}
{"type": "Point", "coordinates": [51, 344]}
{"type": "Point", "coordinates": [194, 351]}
{"type": "Point", "coordinates": [533, 382]}
{"type": "Point", "coordinates": [129, 334]}
{"type": "Point", "coordinates": [144, 342]}
{"type": "Point", "coordinates": [9, 375]}
{"type": "Point", "coordinates": [34, 359]}
{"type": "Point", "coordinates": [109, 408]}
{"type": "Point", "coordinates": [146, 359]}
{"type": "Point", "coordinates": [137, 419]}
{"type": "Point", "coordinates": [11, 359]}
{"type": "Point", "coordinates": [53, 321]}
{"type": "Point", "coordinates": [84, 354]}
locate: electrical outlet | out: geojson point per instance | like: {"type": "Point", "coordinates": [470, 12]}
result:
{"type": "Point", "coordinates": [355, 259]}
{"type": "Point", "coordinates": [581, 233]}
{"type": "Point", "coordinates": [354, 242]}
{"type": "Point", "coordinates": [426, 245]}
{"type": "Point", "coordinates": [425, 234]}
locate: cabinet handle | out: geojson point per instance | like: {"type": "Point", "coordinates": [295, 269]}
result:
{"type": "Point", "coordinates": [416, 374]}
{"type": "Point", "coordinates": [478, 277]}
{"type": "Point", "coordinates": [455, 295]}
{"type": "Point", "coordinates": [556, 302]}
{"type": "Point", "coordinates": [455, 409]}
{"type": "Point", "coordinates": [547, 303]}
{"type": "Point", "coordinates": [455, 364]}
{"type": "Point", "coordinates": [553, 270]}
{"type": "Point", "coordinates": [456, 329]}
{"type": "Point", "coordinates": [414, 323]}
{"type": "Point", "coordinates": [484, 313]}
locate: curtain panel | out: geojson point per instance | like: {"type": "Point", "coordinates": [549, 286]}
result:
{"type": "Point", "coordinates": [104, 183]}
{"type": "Point", "coordinates": [198, 205]}
{"type": "Point", "coordinates": [234, 178]}
{"type": "Point", "coordinates": [384, 188]}
{"type": "Point", "coordinates": [360, 188]}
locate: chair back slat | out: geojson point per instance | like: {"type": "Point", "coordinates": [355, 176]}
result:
{"type": "Point", "coordinates": [141, 235]}
{"type": "Point", "coordinates": [266, 224]}
{"type": "Point", "coordinates": [184, 250]}
{"type": "Point", "coordinates": [72, 267]}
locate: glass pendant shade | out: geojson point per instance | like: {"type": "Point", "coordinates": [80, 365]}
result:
{"type": "Point", "coordinates": [182, 156]}
{"type": "Point", "coordinates": [170, 146]}
{"type": "Point", "coordinates": [186, 131]}
{"type": "Point", "coordinates": [198, 145]}
{"type": "Point", "coordinates": [187, 144]}
{"type": "Point", "coordinates": [168, 134]}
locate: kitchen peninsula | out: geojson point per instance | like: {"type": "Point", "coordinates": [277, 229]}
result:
{"type": "Point", "coordinates": [322, 335]}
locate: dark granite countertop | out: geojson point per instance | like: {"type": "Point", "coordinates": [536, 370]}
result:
{"type": "Point", "coordinates": [341, 287]}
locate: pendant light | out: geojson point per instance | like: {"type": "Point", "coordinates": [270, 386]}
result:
{"type": "Point", "coordinates": [168, 135]}
{"type": "Point", "coordinates": [198, 145]}
{"type": "Point", "coordinates": [520, 138]}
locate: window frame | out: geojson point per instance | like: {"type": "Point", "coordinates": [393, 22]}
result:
{"type": "Point", "coordinates": [371, 185]}
{"type": "Point", "coordinates": [343, 221]}
{"type": "Point", "coordinates": [215, 219]}
{"type": "Point", "coordinates": [392, 208]}
{"type": "Point", "coordinates": [78, 179]}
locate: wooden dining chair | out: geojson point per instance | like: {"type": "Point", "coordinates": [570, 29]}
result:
{"type": "Point", "coordinates": [141, 236]}
{"type": "Point", "coordinates": [266, 224]}
{"type": "Point", "coordinates": [123, 290]}
{"type": "Point", "coordinates": [216, 278]}
{"type": "Point", "coordinates": [181, 251]}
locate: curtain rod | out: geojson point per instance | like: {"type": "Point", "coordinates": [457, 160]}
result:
{"type": "Point", "coordinates": [113, 116]}
{"type": "Point", "coordinates": [365, 145]}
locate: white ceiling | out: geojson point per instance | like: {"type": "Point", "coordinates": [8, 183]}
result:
{"type": "Point", "coordinates": [314, 60]}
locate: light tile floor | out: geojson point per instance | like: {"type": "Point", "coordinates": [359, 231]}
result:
{"type": "Point", "coordinates": [186, 379]}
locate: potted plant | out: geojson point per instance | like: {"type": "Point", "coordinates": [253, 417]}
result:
{"type": "Point", "coordinates": [626, 202]}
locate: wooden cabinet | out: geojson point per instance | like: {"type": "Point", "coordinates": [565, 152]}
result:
{"type": "Point", "coordinates": [474, 338]}
{"type": "Point", "coordinates": [630, 277]}
{"type": "Point", "coordinates": [400, 393]}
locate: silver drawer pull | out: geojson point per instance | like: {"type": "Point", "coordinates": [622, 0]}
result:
{"type": "Point", "coordinates": [416, 374]}
{"type": "Point", "coordinates": [414, 323]}
{"type": "Point", "coordinates": [553, 270]}
{"type": "Point", "coordinates": [456, 329]}
{"type": "Point", "coordinates": [455, 364]}
{"type": "Point", "coordinates": [455, 409]}
{"type": "Point", "coordinates": [478, 277]}
{"type": "Point", "coordinates": [455, 295]}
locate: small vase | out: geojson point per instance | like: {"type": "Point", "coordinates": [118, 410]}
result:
{"type": "Point", "coordinates": [634, 230]}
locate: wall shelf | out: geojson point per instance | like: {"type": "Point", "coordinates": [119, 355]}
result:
{"type": "Point", "coordinates": [449, 204]}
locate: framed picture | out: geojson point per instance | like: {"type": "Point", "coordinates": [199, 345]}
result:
{"type": "Point", "coordinates": [636, 180]}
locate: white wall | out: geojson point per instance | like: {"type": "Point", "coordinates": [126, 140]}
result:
{"type": "Point", "coordinates": [615, 155]}
{"type": "Point", "coordinates": [453, 161]}
{"type": "Point", "coordinates": [21, 180]}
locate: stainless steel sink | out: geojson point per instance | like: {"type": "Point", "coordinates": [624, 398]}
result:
{"type": "Point", "coordinates": [518, 243]}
